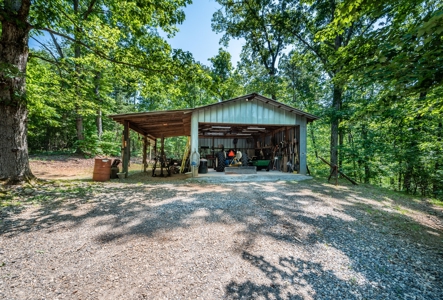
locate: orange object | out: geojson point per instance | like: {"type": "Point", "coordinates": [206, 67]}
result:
{"type": "Point", "coordinates": [231, 153]}
{"type": "Point", "coordinates": [102, 169]}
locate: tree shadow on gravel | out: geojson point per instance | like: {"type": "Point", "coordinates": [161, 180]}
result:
{"type": "Point", "coordinates": [157, 207]}
{"type": "Point", "coordinates": [399, 256]}
{"type": "Point", "coordinates": [376, 248]}
{"type": "Point", "coordinates": [289, 278]}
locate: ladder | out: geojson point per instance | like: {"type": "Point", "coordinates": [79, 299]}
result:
{"type": "Point", "coordinates": [186, 155]}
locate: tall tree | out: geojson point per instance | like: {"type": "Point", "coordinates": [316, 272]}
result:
{"type": "Point", "coordinates": [260, 24]}
{"type": "Point", "coordinates": [224, 84]}
{"type": "Point", "coordinates": [306, 24]}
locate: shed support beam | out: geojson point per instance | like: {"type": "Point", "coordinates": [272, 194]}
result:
{"type": "Point", "coordinates": [145, 150]}
{"type": "Point", "coordinates": [162, 155]}
{"type": "Point", "coordinates": [194, 132]}
{"type": "Point", "coordinates": [303, 146]}
{"type": "Point", "coordinates": [126, 147]}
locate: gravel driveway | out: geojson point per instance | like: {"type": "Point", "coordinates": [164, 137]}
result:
{"type": "Point", "coordinates": [261, 240]}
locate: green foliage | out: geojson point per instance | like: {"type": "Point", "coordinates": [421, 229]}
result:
{"type": "Point", "coordinates": [89, 146]}
{"type": "Point", "coordinates": [110, 143]}
{"type": "Point", "coordinates": [225, 84]}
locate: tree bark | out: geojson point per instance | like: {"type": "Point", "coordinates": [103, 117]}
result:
{"type": "Point", "coordinates": [98, 123]}
{"type": "Point", "coordinates": [77, 54]}
{"type": "Point", "coordinates": [335, 120]}
{"type": "Point", "coordinates": [98, 119]}
{"type": "Point", "coordinates": [437, 186]}
{"type": "Point", "coordinates": [340, 153]}
{"type": "Point", "coordinates": [14, 161]}
{"type": "Point", "coordinates": [364, 135]}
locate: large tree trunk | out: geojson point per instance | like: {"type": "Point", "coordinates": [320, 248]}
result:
{"type": "Point", "coordinates": [77, 54]}
{"type": "Point", "coordinates": [335, 120]}
{"type": "Point", "coordinates": [437, 184]}
{"type": "Point", "coordinates": [336, 105]}
{"type": "Point", "coordinates": [364, 135]}
{"type": "Point", "coordinates": [98, 119]}
{"type": "Point", "coordinates": [79, 126]}
{"type": "Point", "coordinates": [14, 163]}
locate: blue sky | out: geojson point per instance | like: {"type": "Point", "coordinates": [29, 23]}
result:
{"type": "Point", "coordinates": [196, 35]}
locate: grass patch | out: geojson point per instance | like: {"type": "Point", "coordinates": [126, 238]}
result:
{"type": "Point", "coordinates": [400, 209]}
{"type": "Point", "coordinates": [393, 212]}
{"type": "Point", "coordinates": [436, 202]}
{"type": "Point", "coordinates": [47, 193]}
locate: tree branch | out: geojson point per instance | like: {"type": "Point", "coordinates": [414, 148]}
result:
{"type": "Point", "coordinates": [57, 46]}
{"type": "Point", "coordinates": [329, 44]}
{"type": "Point", "coordinates": [66, 16]}
{"type": "Point", "coordinates": [314, 51]}
{"type": "Point", "coordinates": [49, 50]}
{"type": "Point", "coordinates": [55, 63]}
{"type": "Point", "coordinates": [32, 55]}
{"type": "Point", "coordinates": [349, 34]}
{"type": "Point", "coordinates": [101, 54]}
{"type": "Point", "coordinates": [23, 12]}
{"type": "Point", "coordinates": [89, 10]}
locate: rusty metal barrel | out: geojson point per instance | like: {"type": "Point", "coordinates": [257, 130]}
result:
{"type": "Point", "coordinates": [102, 169]}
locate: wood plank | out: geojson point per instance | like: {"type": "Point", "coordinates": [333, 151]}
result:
{"type": "Point", "coordinates": [145, 150]}
{"type": "Point", "coordinates": [165, 129]}
{"type": "Point", "coordinates": [137, 129]}
{"type": "Point", "coordinates": [162, 125]}
{"type": "Point", "coordinates": [156, 117]}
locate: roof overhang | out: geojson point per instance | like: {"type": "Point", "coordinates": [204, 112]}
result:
{"type": "Point", "coordinates": [157, 124]}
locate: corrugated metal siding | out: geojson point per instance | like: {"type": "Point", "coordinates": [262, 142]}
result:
{"type": "Point", "coordinates": [247, 112]}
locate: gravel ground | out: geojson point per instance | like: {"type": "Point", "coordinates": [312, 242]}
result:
{"type": "Point", "coordinates": [187, 240]}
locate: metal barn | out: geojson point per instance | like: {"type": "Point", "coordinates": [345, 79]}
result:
{"type": "Point", "coordinates": [252, 123]}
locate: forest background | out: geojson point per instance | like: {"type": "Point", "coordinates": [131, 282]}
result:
{"type": "Point", "coordinates": [372, 70]}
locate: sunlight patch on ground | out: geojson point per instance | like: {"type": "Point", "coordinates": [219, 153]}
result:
{"type": "Point", "coordinates": [261, 187]}
{"type": "Point", "coordinates": [200, 213]}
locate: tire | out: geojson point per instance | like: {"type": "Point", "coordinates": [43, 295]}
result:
{"type": "Point", "coordinates": [244, 159]}
{"type": "Point", "coordinates": [220, 161]}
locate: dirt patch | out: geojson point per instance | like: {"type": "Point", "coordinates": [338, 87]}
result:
{"type": "Point", "coordinates": [62, 167]}
{"type": "Point", "coordinates": [72, 167]}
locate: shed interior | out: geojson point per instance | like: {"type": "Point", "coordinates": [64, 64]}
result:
{"type": "Point", "coordinates": [256, 139]}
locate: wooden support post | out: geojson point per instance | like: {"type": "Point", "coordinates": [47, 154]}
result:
{"type": "Point", "coordinates": [162, 158]}
{"type": "Point", "coordinates": [145, 150]}
{"type": "Point", "coordinates": [154, 166]}
{"type": "Point", "coordinates": [155, 148]}
{"type": "Point", "coordinates": [126, 147]}
{"type": "Point", "coordinates": [150, 152]}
